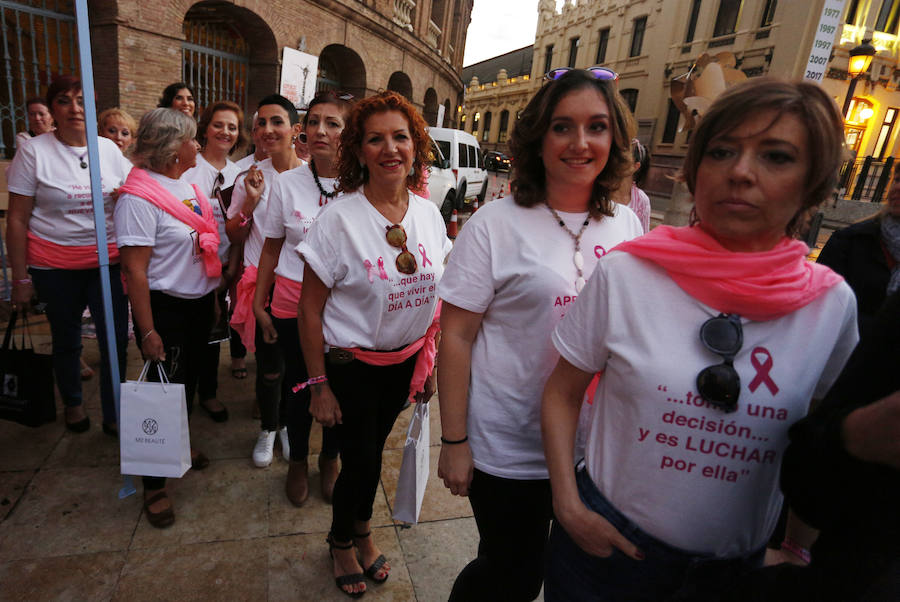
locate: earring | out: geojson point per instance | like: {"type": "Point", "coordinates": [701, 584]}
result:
{"type": "Point", "coordinates": [177, 160]}
{"type": "Point", "coordinates": [412, 170]}
{"type": "Point", "coordinates": [693, 219]}
{"type": "Point", "coordinates": [362, 164]}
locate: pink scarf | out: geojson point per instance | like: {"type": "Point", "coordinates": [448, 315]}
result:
{"type": "Point", "coordinates": [424, 363]}
{"type": "Point", "coordinates": [139, 183]}
{"type": "Point", "coordinates": [243, 320]}
{"type": "Point", "coordinates": [759, 286]}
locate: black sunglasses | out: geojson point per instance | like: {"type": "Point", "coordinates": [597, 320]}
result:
{"type": "Point", "coordinates": [720, 385]}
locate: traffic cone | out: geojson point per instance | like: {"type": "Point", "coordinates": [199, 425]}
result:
{"type": "Point", "coordinates": [493, 196]}
{"type": "Point", "coordinates": [453, 226]}
{"type": "Point", "coordinates": [500, 196]}
{"type": "Point", "coordinates": [475, 206]}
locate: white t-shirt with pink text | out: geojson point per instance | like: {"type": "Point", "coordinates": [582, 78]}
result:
{"type": "Point", "coordinates": [176, 265]}
{"type": "Point", "coordinates": [204, 175]}
{"type": "Point", "coordinates": [254, 241]}
{"type": "Point", "coordinates": [294, 203]}
{"type": "Point", "coordinates": [515, 266]}
{"type": "Point", "coordinates": [371, 304]}
{"type": "Point", "coordinates": [691, 475]}
{"type": "Point", "coordinates": [50, 171]}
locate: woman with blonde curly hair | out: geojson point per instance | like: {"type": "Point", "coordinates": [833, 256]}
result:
{"type": "Point", "coordinates": [372, 263]}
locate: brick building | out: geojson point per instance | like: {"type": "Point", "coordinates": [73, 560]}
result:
{"type": "Point", "coordinates": [233, 50]}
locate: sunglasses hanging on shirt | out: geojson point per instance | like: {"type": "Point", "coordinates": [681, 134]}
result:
{"type": "Point", "coordinates": [720, 385]}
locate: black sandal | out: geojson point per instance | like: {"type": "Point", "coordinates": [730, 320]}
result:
{"type": "Point", "coordinates": [375, 567]}
{"type": "Point", "coordinates": [161, 519]}
{"type": "Point", "coordinates": [345, 580]}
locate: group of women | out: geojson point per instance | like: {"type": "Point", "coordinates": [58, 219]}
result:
{"type": "Point", "coordinates": [656, 477]}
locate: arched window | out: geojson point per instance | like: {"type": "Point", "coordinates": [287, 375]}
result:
{"type": "Point", "coordinates": [214, 58]}
{"type": "Point", "coordinates": [342, 70]}
{"type": "Point", "coordinates": [487, 127]}
{"type": "Point", "coordinates": [504, 126]}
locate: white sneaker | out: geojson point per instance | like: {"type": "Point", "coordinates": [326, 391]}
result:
{"type": "Point", "coordinates": [285, 444]}
{"type": "Point", "coordinates": [262, 451]}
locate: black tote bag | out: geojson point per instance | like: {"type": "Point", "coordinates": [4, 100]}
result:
{"type": "Point", "coordinates": [26, 381]}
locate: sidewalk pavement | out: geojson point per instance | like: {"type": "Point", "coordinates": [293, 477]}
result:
{"type": "Point", "coordinates": [65, 534]}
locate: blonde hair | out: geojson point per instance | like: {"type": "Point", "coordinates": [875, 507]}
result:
{"type": "Point", "coordinates": [118, 113]}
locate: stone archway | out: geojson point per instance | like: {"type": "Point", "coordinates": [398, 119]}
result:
{"type": "Point", "coordinates": [342, 70]}
{"type": "Point", "coordinates": [229, 52]}
{"type": "Point", "coordinates": [399, 82]}
{"type": "Point", "coordinates": [430, 110]}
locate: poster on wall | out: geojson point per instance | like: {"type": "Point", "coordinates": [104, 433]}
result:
{"type": "Point", "coordinates": [298, 76]}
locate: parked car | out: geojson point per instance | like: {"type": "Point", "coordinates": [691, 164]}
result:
{"type": "Point", "coordinates": [441, 182]}
{"type": "Point", "coordinates": [466, 164]}
{"type": "Point", "coordinates": [496, 161]}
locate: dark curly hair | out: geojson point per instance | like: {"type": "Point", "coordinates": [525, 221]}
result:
{"type": "Point", "coordinates": [351, 175]}
{"type": "Point", "coordinates": [168, 95]}
{"type": "Point", "coordinates": [207, 116]}
{"type": "Point", "coordinates": [529, 184]}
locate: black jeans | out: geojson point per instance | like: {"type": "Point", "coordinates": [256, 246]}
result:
{"type": "Point", "coordinates": [296, 405]}
{"type": "Point", "coordinates": [513, 518]}
{"type": "Point", "coordinates": [269, 361]}
{"type": "Point", "coordinates": [208, 385]}
{"type": "Point", "coordinates": [66, 293]}
{"type": "Point", "coordinates": [370, 398]}
{"type": "Point", "coordinates": [183, 325]}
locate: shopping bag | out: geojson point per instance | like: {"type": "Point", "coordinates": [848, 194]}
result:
{"type": "Point", "coordinates": [414, 468]}
{"type": "Point", "coordinates": [26, 380]}
{"type": "Point", "coordinates": [154, 439]}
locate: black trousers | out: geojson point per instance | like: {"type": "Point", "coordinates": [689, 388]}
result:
{"type": "Point", "coordinates": [370, 398]}
{"type": "Point", "coordinates": [513, 518]}
{"type": "Point", "coordinates": [296, 405]}
{"type": "Point", "coordinates": [183, 325]}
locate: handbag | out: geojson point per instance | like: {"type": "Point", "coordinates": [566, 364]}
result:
{"type": "Point", "coordinates": [413, 468]}
{"type": "Point", "coordinates": [154, 439]}
{"type": "Point", "coordinates": [26, 380]}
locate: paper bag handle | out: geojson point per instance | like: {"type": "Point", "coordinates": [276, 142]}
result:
{"type": "Point", "coordinates": [159, 368]}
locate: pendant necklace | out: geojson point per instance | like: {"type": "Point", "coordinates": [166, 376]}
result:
{"type": "Point", "coordinates": [81, 162]}
{"type": "Point", "coordinates": [322, 192]}
{"type": "Point", "coordinates": [577, 257]}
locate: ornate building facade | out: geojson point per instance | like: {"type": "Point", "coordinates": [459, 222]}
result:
{"type": "Point", "coordinates": [233, 50]}
{"type": "Point", "coordinates": [650, 41]}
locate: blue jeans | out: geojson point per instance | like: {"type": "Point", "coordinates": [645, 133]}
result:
{"type": "Point", "coordinates": [66, 293]}
{"type": "Point", "coordinates": [666, 573]}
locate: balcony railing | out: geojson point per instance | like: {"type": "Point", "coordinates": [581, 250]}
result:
{"type": "Point", "coordinates": [403, 13]}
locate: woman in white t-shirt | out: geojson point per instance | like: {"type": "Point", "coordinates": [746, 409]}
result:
{"type": "Point", "coordinates": [219, 132]}
{"type": "Point", "coordinates": [713, 339]}
{"type": "Point", "coordinates": [516, 268]}
{"type": "Point", "coordinates": [40, 121]}
{"type": "Point", "coordinates": [169, 241]}
{"type": "Point", "coordinates": [367, 313]}
{"type": "Point", "coordinates": [52, 243]}
{"type": "Point", "coordinates": [277, 124]}
{"type": "Point", "coordinates": [296, 199]}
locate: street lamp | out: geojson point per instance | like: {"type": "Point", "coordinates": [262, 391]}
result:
{"type": "Point", "coordinates": [860, 59]}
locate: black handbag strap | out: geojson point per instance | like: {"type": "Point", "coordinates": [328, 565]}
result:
{"type": "Point", "coordinates": [10, 328]}
{"type": "Point", "coordinates": [7, 338]}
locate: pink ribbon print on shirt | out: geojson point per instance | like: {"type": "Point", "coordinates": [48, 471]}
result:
{"type": "Point", "coordinates": [425, 261]}
{"type": "Point", "coordinates": [762, 367]}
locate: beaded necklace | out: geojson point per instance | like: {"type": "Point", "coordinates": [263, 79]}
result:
{"type": "Point", "coordinates": [577, 257]}
{"type": "Point", "coordinates": [322, 192]}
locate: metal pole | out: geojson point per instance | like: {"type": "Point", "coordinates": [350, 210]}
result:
{"type": "Point", "coordinates": [90, 123]}
{"type": "Point", "coordinates": [849, 97]}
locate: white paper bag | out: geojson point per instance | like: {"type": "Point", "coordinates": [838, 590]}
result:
{"type": "Point", "coordinates": [414, 468]}
{"type": "Point", "coordinates": [154, 440]}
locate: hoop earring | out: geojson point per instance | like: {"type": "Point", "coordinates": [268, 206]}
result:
{"type": "Point", "coordinates": [412, 170]}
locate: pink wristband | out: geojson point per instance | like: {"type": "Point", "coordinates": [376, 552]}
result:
{"type": "Point", "coordinates": [796, 549]}
{"type": "Point", "coordinates": [315, 380]}
{"type": "Point", "coordinates": [245, 219]}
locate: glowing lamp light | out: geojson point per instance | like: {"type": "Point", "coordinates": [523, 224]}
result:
{"type": "Point", "coordinates": [860, 59]}
{"type": "Point", "coordinates": [865, 113]}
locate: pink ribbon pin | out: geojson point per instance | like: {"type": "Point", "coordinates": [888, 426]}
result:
{"type": "Point", "coordinates": [381, 273]}
{"type": "Point", "coordinates": [762, 370]}
{"type": "Point", "coordinates": [369, 270]}
{"type": "Point", "coordinates": [599, 251]}
{"type": "Point", "coordinates": [425, 260]}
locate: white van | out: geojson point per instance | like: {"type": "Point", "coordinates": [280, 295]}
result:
{"type": "Point", "coordinates": [466, 163]}
{"type": "Point", "coordinates": [441, 183]}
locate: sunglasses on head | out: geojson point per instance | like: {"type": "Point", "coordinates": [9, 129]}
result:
{"type": "Point", "coordinates": [720, 385]}
{"type": "Point", "coordinates": [601, 73]}
{"type": "Point", "coordinates": [406, 261]}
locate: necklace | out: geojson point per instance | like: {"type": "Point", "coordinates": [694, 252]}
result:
{"type": "Point", "coordinates": [322, 192]}
{"type": "Point", "coordinates": [577, 257]}
{"type": "Point", "coordinates": [80, 158]}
